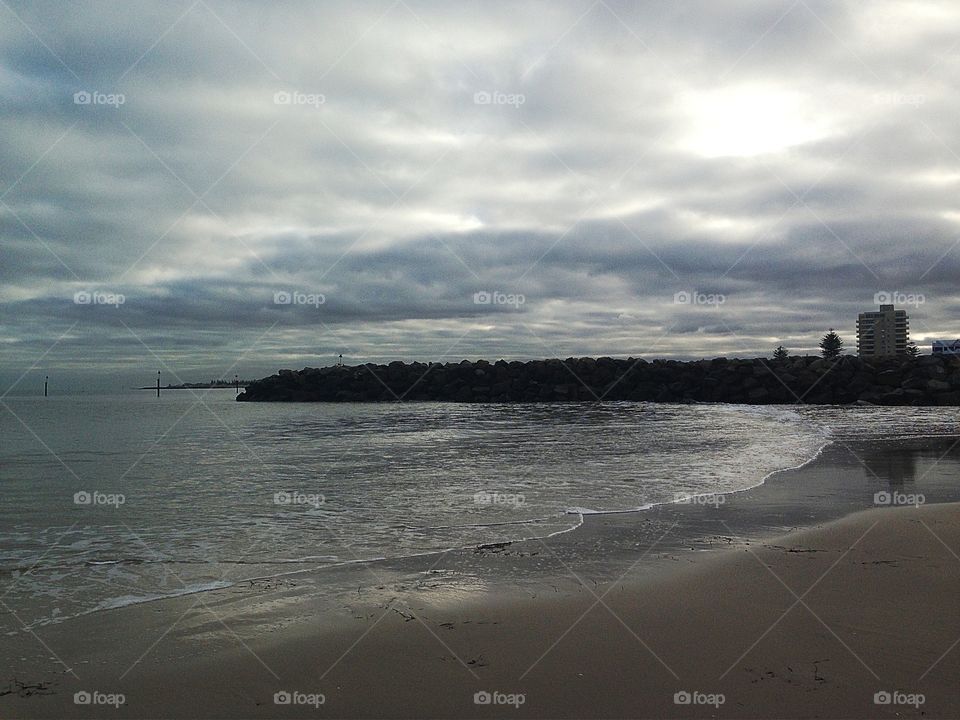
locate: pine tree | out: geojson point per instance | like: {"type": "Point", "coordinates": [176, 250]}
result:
{"type": "Point", "coordinates": [912, 349]}
{"type": "Point", "coordinates": [780, 353]}
{"type": "Point", "coordinates": [831, 346]}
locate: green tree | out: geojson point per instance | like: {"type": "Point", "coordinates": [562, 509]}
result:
{"type": "Point", "coordinates": [912, 349]}
{"type": "Point", "coordinates": [831, 345]}
{"type": "Point", "coordinates": [780, 353]}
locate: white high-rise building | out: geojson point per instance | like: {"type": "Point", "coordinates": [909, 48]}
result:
{"type": "Point", "coordinates": [883, 333]}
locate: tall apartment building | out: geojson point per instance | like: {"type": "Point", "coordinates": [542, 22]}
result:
{"type": "Point", "coordinates": [883, 332]}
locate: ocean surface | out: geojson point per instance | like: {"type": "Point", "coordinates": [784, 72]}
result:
{"type": "Point", "coordinates": [113, 500]}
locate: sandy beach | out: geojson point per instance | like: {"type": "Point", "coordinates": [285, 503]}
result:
{"type": "Point", "coordinates": [827, 622]}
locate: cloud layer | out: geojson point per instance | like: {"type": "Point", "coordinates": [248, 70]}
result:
{"type": "Point", "coordinates": [656, 179]}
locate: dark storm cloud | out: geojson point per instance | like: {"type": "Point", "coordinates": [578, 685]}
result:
{"type": "Point", "coordinates": [785, 162]}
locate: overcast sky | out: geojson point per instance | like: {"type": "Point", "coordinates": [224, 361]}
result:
{"type": "Point", "coordinates": [657, 179]}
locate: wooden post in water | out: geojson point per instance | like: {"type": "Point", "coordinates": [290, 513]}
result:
{"type": "Point", "coordinates": [45, 379]}
{"type": "Point", "coordinates": [236, 383]}
{"type": "Point", "coordinates": [158, 383]}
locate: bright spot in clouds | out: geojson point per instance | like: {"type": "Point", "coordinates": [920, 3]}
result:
{"type": "Point", "coordinates": [748, 121]}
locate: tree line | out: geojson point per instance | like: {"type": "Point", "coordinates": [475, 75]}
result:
{"type": "Point", "coordinates": [831, 346]}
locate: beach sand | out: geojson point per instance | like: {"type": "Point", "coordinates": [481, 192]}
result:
{"type": "Point", "coordinates": [811, 624]}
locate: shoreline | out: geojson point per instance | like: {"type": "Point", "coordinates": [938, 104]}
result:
{"type": "Point", "coordinates": [770, 628]}
{"type": "Point", "coordinates": [581, 513]}
{"type": "Point", "coordinates": [213, 637]}
{"type": "Point", "coordinates": [585, 517]}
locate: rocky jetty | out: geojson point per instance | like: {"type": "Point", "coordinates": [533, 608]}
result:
{"type": "Point", "coordinates": [926, 380]}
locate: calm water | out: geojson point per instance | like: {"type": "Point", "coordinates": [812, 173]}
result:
{"type": "Point", "coordinates": [118, 499]}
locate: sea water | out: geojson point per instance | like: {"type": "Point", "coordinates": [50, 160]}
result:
{"type": "Point", "coordinates": [113, 500]}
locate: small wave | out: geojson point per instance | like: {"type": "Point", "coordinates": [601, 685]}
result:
{"type": "Point", "coordinates": [127, 600]}
{"type": "Point", "coordinates": [124, 601]}
{"type": "Point", "coordinates": [591, 511]}
{"type": "Point", "coordinates": [531, 521]}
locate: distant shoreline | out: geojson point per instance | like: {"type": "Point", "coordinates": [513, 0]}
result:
{"type": "Point", "coordinates": [198, 386]}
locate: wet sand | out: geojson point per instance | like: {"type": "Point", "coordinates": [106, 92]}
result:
{"type": "Point", "coordinates": [813, 624]}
